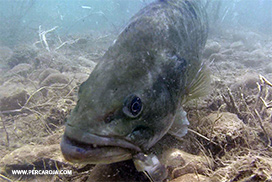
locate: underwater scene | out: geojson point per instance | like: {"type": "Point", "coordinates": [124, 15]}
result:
{"type": "Point", "coordinates": [136, 90]}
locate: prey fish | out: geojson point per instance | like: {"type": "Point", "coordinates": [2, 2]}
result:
{"type": "Point", "coordinates": [135, 94]}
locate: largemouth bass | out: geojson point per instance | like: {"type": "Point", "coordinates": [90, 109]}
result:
{"type": "Point", "coordinates": [134, 96]}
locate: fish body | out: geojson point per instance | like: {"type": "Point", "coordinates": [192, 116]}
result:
{"type": "Point", "coordinates": [134, 95]}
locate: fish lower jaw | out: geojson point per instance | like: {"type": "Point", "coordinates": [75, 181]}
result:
{"type": "Point", "coordinates": [78, 152]}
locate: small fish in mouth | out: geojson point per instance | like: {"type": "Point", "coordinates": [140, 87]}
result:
{"type": "Point", "coordinates": [134, 96]}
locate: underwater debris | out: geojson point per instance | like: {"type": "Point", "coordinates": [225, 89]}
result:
{"type": "Point", "coordinates": [192, 177]}
{"type": "Point", "coordinates": [250, 167]}
{"type": "Point", "coordinates": [180, 163]}
{"type": "Point", "coordinates": [42, 36]}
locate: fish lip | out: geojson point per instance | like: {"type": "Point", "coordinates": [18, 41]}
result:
{"type": "Point", "coordinates": [86, 138]}
{"type": "Point", "coordinates": [84, 153]}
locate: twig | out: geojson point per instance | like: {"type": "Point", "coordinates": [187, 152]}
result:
{"type": "Point", "coordinates": [24, 106]}
{"type": "Point", "coordinates": [66, 42]}
{"type": "Point", "coordinates": [4, 127]}
{"type": "Point", "coordinates": [260, 90]}
{"type": "Point", "coordinates": [42, 35]}
{"type": "Point", "coordinates": [265, 81]}
{"type": "Point", "coordinates": [234, 106]}
{"type": "Point", "coordinates": [5, 178]}
{"type": "Point", "coordinates": [212, 129]}
{"type": "Point", "coordinates": [47, 128]}
{"type": "Point", "coordinates": [201, 136]}
{"type": "Point", "coordinates": [261, 125]}
{"type": "Point", "coordinates": [33, 95]}
{"type": "Point", "coordinates": [231, 104]}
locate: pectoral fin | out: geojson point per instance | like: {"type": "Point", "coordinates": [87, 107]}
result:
{"type": "Point", "coordinates": [200, 86]}
{"type": "Point", "coordinates": [180, 126]}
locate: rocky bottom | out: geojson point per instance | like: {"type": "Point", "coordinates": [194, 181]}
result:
{"type": "Point", "coordinates": [230, 129]}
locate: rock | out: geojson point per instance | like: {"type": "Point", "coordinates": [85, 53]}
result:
{"type": "Point", "coordinates": [46, 73]}
{"type": "Point", "coordinates": [268, 68]}
{"type": "Point", "coordinates": [86, 62]}
{"type": "Point", "coordinates": [246, 81]}
{"type": "Point", "coordinates": [81, 77]}
{"type": "Point", "coordinates": [216, 57]}
{"type": "Point", "coordinates": [86, 70]}
{"type": "Point", "coordinates": [121, 171]}
{"type": "Point", "coordinates": [21, 69]}
{"type": "Point", "coordinates": [23, 54]}
{"type": "Point", "coordinates": [237, 45]}
{"type": "Point", "coordinates": [180, 163]}
{"type": "Point", "coordinates": [31, 157]}
{"type": "Point", "coordinates": [210, 48]}
{"type": "Point", "coordinates": [44, 58]}
{"type": "Point", "coordinates": [251, 62]}
{"type": "Point", "coordinates": [192, 177]}
{"type": "Point", "coordinates": [238, 36]}
{"type": "Point", "coordinates": [54, 79]}
{"type": "Point", "coordinates": [82, 41]}
{"type": "Point", "coordinates": [224, 128]}
{"type": "Point", "coordinates": [5, 53]}
{"type": "Point", "coordinates": [250, 39]}
{"type": "Point", "coordinates": [252, 168]}
{"type": "Point", "coordinates": [54, 60]}
{"type": "Point", "coordinates": [12, 96]}
{"type": "Point", "coordinates": [253, 40]}
{"type": "Point", "coordinates": [227, 52]}
{"type": "Point", "coordinates": [54, 138]}
{"type": "Point", "coordinates": [226, 123]}
{"type": "Point", "coordinates": [258, 54]}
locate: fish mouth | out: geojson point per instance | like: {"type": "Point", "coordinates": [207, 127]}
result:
{"type": "Point", "coordinates": [93, 149]}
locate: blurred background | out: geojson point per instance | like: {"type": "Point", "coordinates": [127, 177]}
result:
{"type": "Point", "coordinates": [21, 20]}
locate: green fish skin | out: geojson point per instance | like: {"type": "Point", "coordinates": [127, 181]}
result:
{"type": "Point", "coordinates": [136, 92]}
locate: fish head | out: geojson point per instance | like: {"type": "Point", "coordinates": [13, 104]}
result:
{"type": "Point", "coordinates": [120, 111]}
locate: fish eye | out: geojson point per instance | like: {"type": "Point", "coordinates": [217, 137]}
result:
{"type": "Point", "coordinates": [132, 106]}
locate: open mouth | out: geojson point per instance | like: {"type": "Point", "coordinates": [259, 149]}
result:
{"type": "Point", "coordinates": [93, 149]}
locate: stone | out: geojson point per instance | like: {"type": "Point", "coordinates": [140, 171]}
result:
{"type": "Point", "coordinates": [55, 78]}
{"type": "Point", "coordinates": [224, 128]}
{"type": "Point", "coordinates": [31, 157]}
{"type": "Point", "coordinates": [227, 52]}
{"type": "Point", "coordinates": [251, 62]}
{"type": "Point", "coordinates": [192, 177]}
{"type": "Point", "coordinates": [81, 77]}
{"type": "Point", "coordinates": [216, 57]}
{"type": "Point", "coordinates": [210, 48]}
{"type": "Point", "coordinates": [5, 53]}
{"type": "Point", "coordinates": [268, 68]}
{"type": "Point", "coordinates": [21, 69]}
{"type": "Point", "coordinates": [12, 96]}
{"type": "Point", "coordinates": [258, 54]}
{"type": "Point", "coordinates": [237, 45]}
{"type": "Point", "coordinates": [43, 58]}
{"type": "Point", "coordinates": [23, 54]}
{"type": "Point", "coordinates": [120, 171]}
{"type": "Point", "coordinates": [246, 81]}
{"type": "Point", "coordinates": [180, 162]}
{"type": "Point", "coordinates": [46, 73]}
{"type": "Point", "coordinates": [82, 41]}
{"type": "Point", "coordinates": [251, 168]}
{"type": "Point", "coordinates": [86, 62]}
